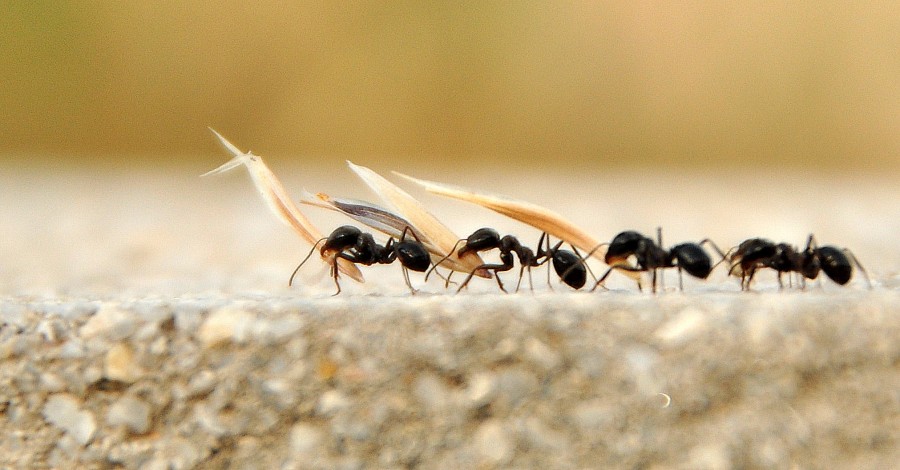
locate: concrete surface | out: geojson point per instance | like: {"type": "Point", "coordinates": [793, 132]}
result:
{"type": "Point", "coordinates": [145, 322]}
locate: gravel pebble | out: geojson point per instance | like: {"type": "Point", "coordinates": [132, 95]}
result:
{"type": "Point", "coordinates": [65, 412]}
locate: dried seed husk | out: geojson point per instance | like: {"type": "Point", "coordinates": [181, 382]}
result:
{"type": "Point", "coordinates": [433, 231]}
{"type": "Point", "coordinates": [538, 217]}
{"type": "Point", "coordinates": [276, 197]}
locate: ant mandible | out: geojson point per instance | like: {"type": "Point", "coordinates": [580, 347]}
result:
{"type": "Point", "coordinates": [650, 256]}
{"type": "Point", "coordinates": [350, 243]}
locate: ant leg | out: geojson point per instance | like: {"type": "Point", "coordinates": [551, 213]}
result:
{"type": "Point", "coordinates": [750, 277]}
{"type": "Point", "coordinates": [409, 230]}
{"type": "Point", "coordinates": [291, 280]}
{"type": "Point", "coordinates": [521, 272]}
{"type": "Point", "coordinates": [858, 265]}
{"type": "Point", "coordinates": [780, 284]}
{"type": "Point", "coordinates": [500, 283]}
{"type": "Point", "coordinates": [446, 279]}
{"type": "Point", "coordinates": [680, 282]}
{"type": "Point", "coordinates": [707, 241]}
{"type": "Point", "coordinates": [406, 278]}
{"type": "Point", "coordinates": [602, 278]}
{"type": "Point", "coordinates": [583, 261]}
{"type": "Point", "coordinates": [435, 265]}
{"type": "Point", "coordinates": [334, 271]}
{"type": "Point", "coordinates": [469, 277]}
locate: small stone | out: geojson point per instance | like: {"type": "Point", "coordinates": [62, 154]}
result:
{"type": "Point", "coordinates": [431, 392]}
{"type": "Point", "coordinates": [482, 389]}
{"type": "Point", "coordinates": [332, 402]}
{"type": "Point", "coordinates": [71, 349]}
{"type": "Point", "coordinates": [227, 324]}
{"type": "Point", "coordinates": [159, 346]}
{"type": "Point", "coordinates": [201, 383]}
{"type": "Point", "coordinates": [111, 323]}
{"type": "Point", "coordinates": [709, 457]}
{"type": "Point", "coordinates": [304, 439]}
{"type": "Point", "coordinates": [687, 325]}
{"type": "Point", "coordinates": [64, 411]}
{"type": "Point", "coordinates": [51, 382]}
{"type": "Point", "coordinates": [121, 365]}
{"type": "Point", "coordinates": [594, 416]}
{"type": "Point", "coordinates": [187, 321]}
{"type": "Point", "coordinates": [542, 355]}
{"type": "Point", "coordinates": [51, 330]}
{"type": "Point", "coordinates": [131, 412]}
{"type": "Point", "coordinates": [271, 331]}
{"type": "Point", "coordinates": [493, 442]}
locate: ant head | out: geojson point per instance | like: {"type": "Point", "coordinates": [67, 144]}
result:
{"type": "Point", "coordinates": [480, 240]}
{"type": "Point", "coordinates": [623, 245]}
{"type": "Point", "coordinates": [341, 238]}
{"type": "Point", "coordinates": [755, 249]}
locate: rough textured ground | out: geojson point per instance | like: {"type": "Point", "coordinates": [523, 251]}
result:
{"type": "Point", "coordinates": [145, 323]}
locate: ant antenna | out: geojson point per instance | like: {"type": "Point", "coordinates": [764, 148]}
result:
{"type": "Point", "coordinates": [858, 265]}
{"type": "Point", "coordinates": [435, 265]}
{"type": "Point", "coordinates": [584, 261]}
{"type": "Point", "coordinates": [291, 280]}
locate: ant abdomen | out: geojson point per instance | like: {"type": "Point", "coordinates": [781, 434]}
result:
{"type": "Point", "coordinates": [413, 256]}
{"type": "Point", "coordinates": [570, 268]}
{"type": "Point", "coordinates": [835, 264]}
{"type": "Point", "coordinates": [693, 259]}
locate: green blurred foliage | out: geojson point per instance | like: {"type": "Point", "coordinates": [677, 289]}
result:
{"type": "Point", "coordinates": [573, 84]}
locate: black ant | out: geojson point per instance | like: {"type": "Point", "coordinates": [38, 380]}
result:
{"type": "Point", "coordinates": [350, 243]}
{"type": "Point", "coordinates": [568, 265]}
{"type": "Point", "coordinates": [757, 252]}
{"type": "Point", "coordinates": [650, 256]}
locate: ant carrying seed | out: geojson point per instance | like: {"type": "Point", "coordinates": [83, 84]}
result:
{"type": "Point", "coordinates": [350, 243]}
{"type": "Point", "coordinates": [650, 256]}
{"type": "Point", "coordinates": [836, 263]}
{"type": "Point", "coordinates": [568, 265]}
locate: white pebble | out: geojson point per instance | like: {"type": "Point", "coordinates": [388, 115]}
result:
{"type": "Point", "coordinates": [304, 439]}
{"type": "Point", "coordinates": [332, 402]}
{"type": "Point", "coordinates": [131, 412]}
{"type": "Point", "coordinates": [120, 364]}
{"type": "Point", "coordinates": [482, 389]}
{"type": "Point", "coordinates": [542, 355]}
{"type": "Point", "coordinates": [431, 392]}
{"type": "Point", "coordinates": [110, 322]}
{"type": "Point", "coordinates": [64, 411]}
{"type": "Point", "coordinates": [493, 443]}
{"type": "Point", "coordinates": [687, 325]}
{"type": "Point", "coordinates": [52, 382]}
{"type": "Point", "coordinates": [227, 324]}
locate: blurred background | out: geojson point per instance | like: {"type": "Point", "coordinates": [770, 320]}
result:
{"type": "Point", "coordinates": [584, 85]}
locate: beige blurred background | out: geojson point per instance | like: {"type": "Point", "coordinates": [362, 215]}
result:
{"type": "Point", "coordinates": [580, 85]}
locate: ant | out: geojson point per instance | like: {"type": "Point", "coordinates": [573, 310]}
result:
{"type": "Point", "coordinates": [650, 256]}
{"type": "Point", "coordinates": [757, 252]}
{"type": "Point", "coordinates": [567, 264]}
{"type": "Point", "coordinates": [350, 243]}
